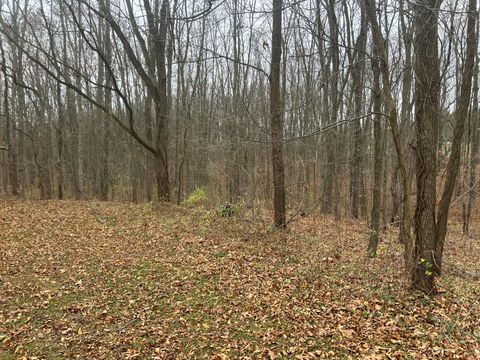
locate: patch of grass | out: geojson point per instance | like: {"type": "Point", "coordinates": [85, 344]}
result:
{"type": "Point", "coordinates": [7, 355]}
{"type": "Point", "coordinates": [219, 255]}
{"type": "Point", "coordinates": [110, 220]}
{"type": "Point", "coordinates": [57, 305]}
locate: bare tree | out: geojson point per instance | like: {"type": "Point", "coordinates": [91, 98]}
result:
{"type": "Point", "coordinates": [430, 222]}
{"type": "Point", "coordinates": [276, 118]}
{"type": "Point", "coordinates": [474, 151]}
{"type": "Point", "coordinates": [378, 158]}
{"type": "Point", "coordinates": [9, 128]}
{"type": "Point", "coordinates": [392, 116]}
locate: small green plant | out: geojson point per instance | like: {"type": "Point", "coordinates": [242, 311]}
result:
{"type": "Point", "coordinates": [109, 220]}
{"type": "Point", "coordinates": [219, 254]}
{"type": "Point", "coordinates": [226, 210]}
{"type": "Point", "coordinates": [198, 196]}
{"type": "Point", "coordinates": [383, 248]}
{"type": "Point", "coordinates": [427, 266]}
{"type": "Point", "coordinates": [425, 301]}
{"type": "Point", "coordinates": [386, 293]}
{"type": "Point", "coordinates": [447, 280]}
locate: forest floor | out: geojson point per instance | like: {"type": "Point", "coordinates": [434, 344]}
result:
{"type": "Point", "coordinates": [94, 280]}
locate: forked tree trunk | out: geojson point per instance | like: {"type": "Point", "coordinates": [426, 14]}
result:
{"type": "Point", "coordinates": [431, 228]}
{"type": "Point", "coordinates": [461, 114]}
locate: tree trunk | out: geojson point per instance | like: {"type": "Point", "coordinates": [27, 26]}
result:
{"type": "Point", "coordinates": [163, 190]}
{"type": "Point", "coordinates": [60, 131]}
{"type": "Point", "coordinates": [427, 100]}
{"type": "Point", "coordinates": [276, 119]}
{"type": "Point", "coordinates": [461, 114]}
{"type": "Point", "coordinates": [475, 138]}
{"type": "Point", "coordinates": [331, 186]}
{"type": "Point", "coordinates": [9, 130]}
{"type": "Point", "coordinates": [379, 41]}
{"type": "Point", "coordinates": [149, 158]}
{"type": "Point", "coordinates": [378, 160]}
{"type": "Point", "coordinates": [106, 124]}
{"type": "Point", "coordinates": [357, 184]}
{"type": "Point", "coordinates": [161, 109]}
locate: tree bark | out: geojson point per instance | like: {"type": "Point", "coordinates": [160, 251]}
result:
{"type": "Point", "coordinates": [60, 131]}
{"type": "Point", "coordinates": [378, 160]}
{"type": "Point", "coordinates": [357, 184]}
{"type": "Point", "coordinates": [461, 114]}
{"type": "Point", "coordinates": [474, 152]}
{"type": "Point", "coordinates": [427, 108]}
{"type": "Point", "coordinates": [106, 124]}
{"type": "Point", "coordinates": [379, 41]}
{"type": "Point", "coordinates": [331, 186]}
{"type": "Point", "coordinates": [9, 129]}
{"type": "Point", "coordinates": [276, 119]}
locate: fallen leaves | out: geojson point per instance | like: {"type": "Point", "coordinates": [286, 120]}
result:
{"type": "Point", "coordinates": [133, 282]}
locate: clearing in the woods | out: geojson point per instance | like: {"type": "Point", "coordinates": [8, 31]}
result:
{"type": "Point", "coordinates": [95, 280]}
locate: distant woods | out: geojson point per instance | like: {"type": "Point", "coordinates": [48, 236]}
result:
{"type": "Point", "coordinates": [364, 109]}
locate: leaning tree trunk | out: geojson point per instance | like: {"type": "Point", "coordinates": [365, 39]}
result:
{"type": "Point", "coordinates": [430, 227]}
{"type": "Point", "coordinates": [461, 114]}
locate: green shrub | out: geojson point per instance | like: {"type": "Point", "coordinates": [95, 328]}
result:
{"type": "Point", "coordinates": [227, 210]}
{"type": "Point", "coordinates": [198, 196]}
